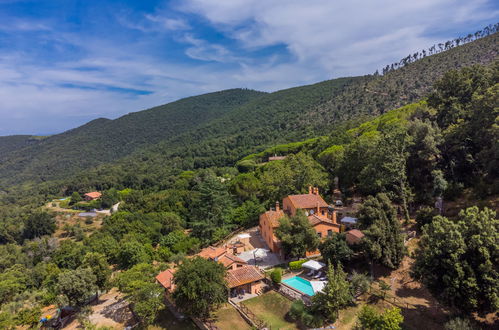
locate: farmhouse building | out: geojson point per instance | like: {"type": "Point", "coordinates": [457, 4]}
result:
{"type": "Point", "coordinates": [92, 195]}
{"type": "Point", "coordinates": [321, 216]}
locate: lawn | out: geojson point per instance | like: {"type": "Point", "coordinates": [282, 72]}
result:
{"type": "Point", "coordinates": [271, 307]}
{"type": "Point", "coordinates": [228, 318]}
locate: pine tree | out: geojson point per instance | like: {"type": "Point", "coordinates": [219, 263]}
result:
{"type": "Point", "coordinates": [335, 295]}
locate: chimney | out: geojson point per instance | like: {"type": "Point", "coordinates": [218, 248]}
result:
{"type": "Point", "coordinates": [333, 217]}
{"type": "Point", "coordinates": [318, 209]}
{"type": "Point", "coordinates": [316, 191]}
{"type": "Point", "coordinates": [277, 206]}
{"type": "Point", "coordinates": [310, 189]}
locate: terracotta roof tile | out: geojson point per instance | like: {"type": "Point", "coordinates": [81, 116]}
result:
{"type": "Point", "coordinates": [228, 259]}
{"type": "Point", "coordinates": [307, 201]}
{"type": "Point", "coordinates": [212, 252]}
{"type": "Point", "coordinates": [356, 233]}
{"type": "Point", "coordinates": [93, 194]}
{"type": "Point", "coordinates": [243, 275]}
{"type": "Point", "coordinates": [274, 216]}
{"type": "Point", "coordinates": [314, 219]}
{"type": "Point", "coordinates": [165, 278]}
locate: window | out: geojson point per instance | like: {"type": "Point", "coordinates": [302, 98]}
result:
{"type": "Point", "coordinates": [319, 234]}
{"type": "Point", "coordinates": [329, 232]}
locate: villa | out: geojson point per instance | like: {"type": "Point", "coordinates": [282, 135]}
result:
{"type": "Point", "coordinates": [92, 195]}
{"type": "Point", "coordinates": [321, 216]}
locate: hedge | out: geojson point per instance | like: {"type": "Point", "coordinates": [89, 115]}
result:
{"type": "Point", "coordinates": [296, 265]}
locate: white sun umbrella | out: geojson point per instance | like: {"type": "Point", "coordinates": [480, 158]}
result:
{"type": "Point", "coordinates": [260, 253]}
{"type": "Point", "coordinates": [312, 264]}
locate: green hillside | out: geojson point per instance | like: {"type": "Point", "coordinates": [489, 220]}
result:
{"type": "Point", "coordinates": [103, 140]}
{"type": "Point", "coordinates": [294, 114]}
{"type": "Point", "coordinates": [13, 142]}
{"type": "Point", "coordinates": [217, 129]}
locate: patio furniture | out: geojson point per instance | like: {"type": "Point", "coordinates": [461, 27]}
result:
{"type": "Point", "coordinates": [311, 273]}
{"type": "Point", "coordinates": [319, 274]}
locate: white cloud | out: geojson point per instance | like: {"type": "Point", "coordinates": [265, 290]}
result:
{"type": "Point", "coordinates": [324, 39]}
{"type": "Point", "coordinates": [343, 37]}
{"type": "Point", "coordinates": [169, 23]}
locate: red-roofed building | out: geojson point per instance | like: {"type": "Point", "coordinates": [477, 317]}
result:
{"type": "Point", "coordinates": [354, 236]}
{"type": "Point", "coordinates": [268, 222]}
{"type": "Point", "coordinates": [92, 195]}
{"type": "Point", "coordinates": [320, 216]}
{"type": "Point", "coordinates": [212, 252]}
{"type": "Point", "coordinates": [221, 255]}
{"type": "Point", "coordinates": [165, 278]}
{"type": "Point", "coordinates": [247, 279]}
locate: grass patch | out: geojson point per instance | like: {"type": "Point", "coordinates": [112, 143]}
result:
{"type": "Point", "coordinates": [272, 308]}
{"type": "Point", "coordinates": [228, 318]}
{"type": "Point", "coordinates": [348, 317]}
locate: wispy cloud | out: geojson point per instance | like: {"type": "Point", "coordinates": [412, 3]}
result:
{"type": "Point", "coordinates": [61, 67]}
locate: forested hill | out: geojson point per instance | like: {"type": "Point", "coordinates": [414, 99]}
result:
{"type": "Point", "coordinates": [103, 140]}
{"type": "Point", "coordinates": [217, 129]}
{"type": "Point", "coordinates": [14, 142]}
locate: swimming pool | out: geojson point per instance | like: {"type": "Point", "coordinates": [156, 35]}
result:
{"type": "Point", "coordinates": [300, 284]}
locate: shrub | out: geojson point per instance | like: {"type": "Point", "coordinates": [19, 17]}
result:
{"type": "Point", "coordinates": [296, 310]}
{"type": "Point", "coordinates": [360, 283]}
{"type": "Point", "coordinates": [296, 265]}
{"type": "Point", "coordinates": [89, 220]}
{"type": "Point", "coordinates": [28, 316]}
{"type": "Point", "coordinates": [459, 324]}
{"type": "Point", "coordinates": [276, 275]}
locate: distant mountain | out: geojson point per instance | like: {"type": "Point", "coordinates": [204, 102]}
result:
{"type": "Point", "coordinates": [217, 129]}
{"type": "Point", "coordinates": [103, 140]}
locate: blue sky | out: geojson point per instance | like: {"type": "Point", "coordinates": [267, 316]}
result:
{"type": "Point", "coordinates": [64, 62]}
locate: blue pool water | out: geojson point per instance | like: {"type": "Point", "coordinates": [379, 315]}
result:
{"type": "Point", "coordinates": [300, 284]}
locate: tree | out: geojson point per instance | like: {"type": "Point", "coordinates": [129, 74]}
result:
{"type": "Point", "coordinates": [109, 198]}
{"type": "Point", "coordinates": [247, 214]}
{"type": "Point", "coordinates": [212, 207]}
{"type": "Point", "coordinates": [383, 239]}
{"type": "Point", "coordinates": [370, 319]}
{"type": "Point", "coordinates": [425, 216]}
{"type": "Point", "coordinates": [76, 286]}
{"type": "Point", "coordinates": [297, 235]}
{"type": "Point", "coordinates": [423, 157]}
{"type": "Point", "coordinates": [200, 286]}
{"type": "Point", "coordinates": [146, 296]}
{"type": "Point", "coordinates": [335, 249]}
{"type": "Point", "coordinates": [133, 252]}
{"type": "Point", "coordinates": [13, 281]}
{"type": "Point", "coordinates": [39, 224]}
{"type": "Point", "coordinates": [360, 283]}
{"type": "Point", "coordinates": [99, 266]}
{"type": "Point", "coordinates": [75, 198]}
{"type": "Point", "coordinates": [276, 275]}
{"type": "Point", "coordinates": [147, 299]}
{"type": "Point", "coordinates": [457, 260]}
{"type": "Point", "coordinates": [335, 295]}
{"type": "Point", "coordinates": [69, 255]}
{"type": "Point", "coordinates": [292, 175]}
